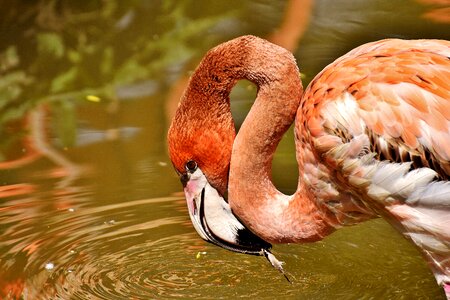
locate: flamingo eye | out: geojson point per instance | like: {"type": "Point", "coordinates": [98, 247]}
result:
{"type": "Point", "coordinates": [191, 166]}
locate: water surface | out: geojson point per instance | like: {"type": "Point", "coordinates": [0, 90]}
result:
{"type": "Point", "coordinates": [90, 206]}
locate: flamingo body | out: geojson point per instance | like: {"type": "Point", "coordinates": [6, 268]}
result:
{"type": "Point", "coordinates": [380, 117]}
{"type": "Point", "coordinates": [372, 138]}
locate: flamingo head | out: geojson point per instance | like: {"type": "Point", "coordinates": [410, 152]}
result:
{"type": "Point", "coordinates": [200, 149]}
{"type": "Point", "coordinates": [205, 141]}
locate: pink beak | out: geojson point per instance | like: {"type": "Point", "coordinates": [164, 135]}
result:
{"type": "Point", "coordinates": [213, 219]}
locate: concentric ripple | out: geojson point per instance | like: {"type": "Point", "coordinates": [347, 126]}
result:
{"type": "Point", "coordinates": [141, 271]}
{"type": "Point", "coordinates": [162, 269]}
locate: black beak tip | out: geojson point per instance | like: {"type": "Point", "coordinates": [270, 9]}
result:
{"type": "Point", "coordinates": [246, 238]}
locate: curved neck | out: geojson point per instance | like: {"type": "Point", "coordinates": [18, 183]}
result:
{"type": "Point", "coordinates": [206, 103]}
{"type": "Point", "coordinates": [270, 214]}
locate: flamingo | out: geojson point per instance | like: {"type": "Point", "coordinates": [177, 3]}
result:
{"type": "Point", "coordinates": [372, 136]}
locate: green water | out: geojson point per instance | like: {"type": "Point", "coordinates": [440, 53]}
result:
{"type": "Point", "coordinates": [90, 207]}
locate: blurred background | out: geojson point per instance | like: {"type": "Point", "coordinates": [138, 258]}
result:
{"type": "Point", "coordinates": [90, 207]}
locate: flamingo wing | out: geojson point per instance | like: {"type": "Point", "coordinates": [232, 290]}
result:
{"type": "Point", "coordinates": [379, 118]}
{"type": "Point", "coordinates": [397, 93]}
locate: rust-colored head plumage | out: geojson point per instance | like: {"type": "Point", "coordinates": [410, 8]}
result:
{"type": "Point", "coordinates": [207, 141]}
{"type": "Point", "coordinates": [203, 128]}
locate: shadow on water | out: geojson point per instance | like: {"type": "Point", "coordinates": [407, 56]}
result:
{"type": "Point", "coordinates": [89, 204]}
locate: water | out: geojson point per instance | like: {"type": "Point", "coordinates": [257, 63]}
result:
{"type": "Point", "coordinates": [90, 206]}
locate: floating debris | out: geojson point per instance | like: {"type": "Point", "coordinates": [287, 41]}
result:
{"type": "Point", "coordinates": [199, 254]}
{"type": "Point", "coordinates": [93, 98]}
{"type": "Point", "coordinates": [49, 266]}
{"type": "Point", "coordinates": [277, 264]}
{"type": "Point", "coordinates": [110, 222]}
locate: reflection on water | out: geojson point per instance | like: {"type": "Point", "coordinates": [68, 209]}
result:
{"type": "Point", "coordinates": [90, 207]}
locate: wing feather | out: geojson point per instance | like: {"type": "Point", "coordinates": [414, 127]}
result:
{"type": "Point", "coordinates": [396, 91]}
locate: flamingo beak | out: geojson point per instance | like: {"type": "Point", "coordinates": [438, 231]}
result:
{"type": "Point", "coordinates": [213, 219]}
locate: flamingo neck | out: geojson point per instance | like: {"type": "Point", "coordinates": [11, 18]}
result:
{"type": "Point", "coordinates": [270, 214]}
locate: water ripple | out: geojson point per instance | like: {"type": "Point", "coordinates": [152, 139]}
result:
{"type": "Point", "coordinates": [142, 249]}
{"type": "Point", "coordinates": [142, 271]}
